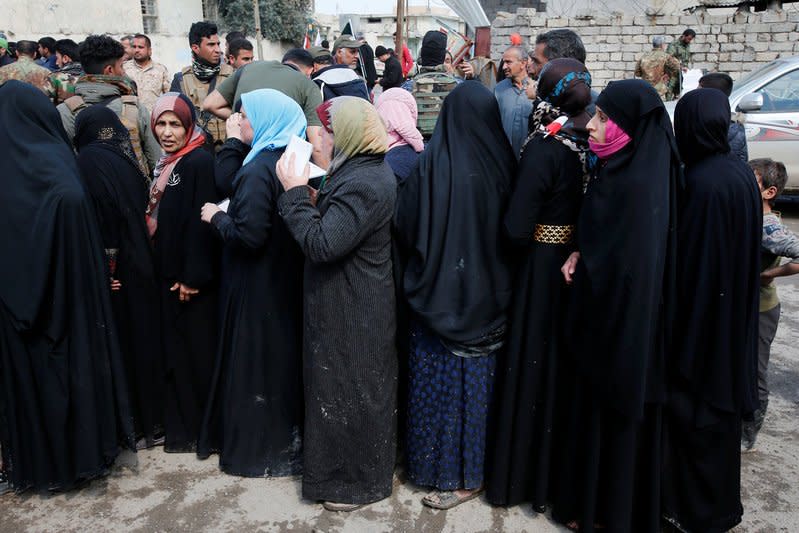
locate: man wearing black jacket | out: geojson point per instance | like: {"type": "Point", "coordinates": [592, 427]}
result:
{"type": "Point", "coordinates": [392, 71]}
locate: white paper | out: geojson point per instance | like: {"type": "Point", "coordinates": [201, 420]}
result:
{"type": "Point", "coordinates": [224, 204]}
{"type": "Point", "coordinates": [690, 80]}
{"type": "Point", "coordinates": [316, 171]}
{"type": "Point", "coordinates": [302, 153]}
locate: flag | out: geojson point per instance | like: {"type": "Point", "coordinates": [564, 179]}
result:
{"type": "Point", "coordinates": [347, 29]}
{"type": "Point", "coordinates": [318, 40]}
{"type": "Point", "coordinates": [306, 42]}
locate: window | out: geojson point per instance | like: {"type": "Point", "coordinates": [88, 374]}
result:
{"type": "Point", "coordinates": [781, 95]}
{"type": "Point", "coordinates": [374, 20]}
{"type": "Point", "coordinates": [149, 15]}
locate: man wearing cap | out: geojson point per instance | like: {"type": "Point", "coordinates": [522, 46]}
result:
{"type": "Point", "coordinates": [392, 71]}
{"type": "Point", "coordinates": [345, 50]}
{"type": "Point", "coordinates": [659, 68]}
{"type": "Point", "coordinates": [340, 79]}
{"type": "Point", "coordinates": [5, 57]}
{"type": "Point", "coordinates": [25, 69]}
{"type": "Point", "coordinates": [321, 58]}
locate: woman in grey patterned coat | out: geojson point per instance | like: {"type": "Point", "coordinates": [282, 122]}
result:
{"type": "Point", "coordinates": [349, 355]}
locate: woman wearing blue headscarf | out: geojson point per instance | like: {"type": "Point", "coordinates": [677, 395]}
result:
{"type": "Point", "coordinates": [254, 414]}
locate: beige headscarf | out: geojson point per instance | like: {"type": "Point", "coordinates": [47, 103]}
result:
{"type": "Point", "coordinates": [356, 127]}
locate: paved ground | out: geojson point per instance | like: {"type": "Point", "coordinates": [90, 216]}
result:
{"type": "Point", "coordinates": [159, 492]}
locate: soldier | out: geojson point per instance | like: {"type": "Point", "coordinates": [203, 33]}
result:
{"type": "Point", "coordinates": [25, 69]}
{"type": "Point", "coordinates": [432, 84]}
{"type": "Point", "coordinates": [680, 49]}
{"type": "Point", "coordinates": [203, 76]}
{"type": "Point", "coordinates": [240, 53]}
{"type": "Point", "coordinates": [69, 70]}
{"type": "Point", "coordinates": [659, 68]}
{"type": "Point", "coordinates": [105, 84]}
{"type": "Point", "coordinates": [152, 79]}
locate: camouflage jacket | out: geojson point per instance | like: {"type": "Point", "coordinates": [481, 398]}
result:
{"type": "Point", "coordinates": [680, 51]}
{"type": "Point", "coordinates": [64, 80]}
{"type": "Point", "coordinates": [24, 69]}
{"type": "Point", "coordinates": [151, 81]}
{"type": "Point", "coordinates": [661, 70]}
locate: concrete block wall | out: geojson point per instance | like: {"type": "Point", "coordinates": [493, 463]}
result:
{"type": "Point", "coordinates": [735, 43]}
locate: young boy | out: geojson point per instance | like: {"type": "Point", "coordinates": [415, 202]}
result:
{"type": "Point", "coordinates": [778, 241]}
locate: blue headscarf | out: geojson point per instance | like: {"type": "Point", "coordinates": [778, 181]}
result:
{"type": "Point", "coordinates": [274, 117]}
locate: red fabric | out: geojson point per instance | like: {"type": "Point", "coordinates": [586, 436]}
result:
{"type": "Point", "coordinates": [407, 60]}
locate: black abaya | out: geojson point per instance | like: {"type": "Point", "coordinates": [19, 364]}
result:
{"type": "Point", "coordinates": [548, 192]}
{"type": "Point", "coordinates": [186, 251]}
{"type": "Point", "coordinates": [607, 469]}
{"type": "Point", "coordinates": [714, 368]}
{"type": "Point", "coordinates": [63, 401]}
{"type": "Point", "coordinates": [255, 410]}
{"type": "Point", "coordinates": [119, 193]}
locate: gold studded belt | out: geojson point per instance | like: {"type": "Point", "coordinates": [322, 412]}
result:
{"type": "Point", "coordinates": [547, 234]}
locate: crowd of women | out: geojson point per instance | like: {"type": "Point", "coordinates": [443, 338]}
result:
{"type": "Point", "coordinates": [531, 329]}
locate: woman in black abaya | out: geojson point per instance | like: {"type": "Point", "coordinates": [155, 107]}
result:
{"type": "Point", "coordinates": [540, 221]}
{"type": "Point", "coordinates": [118, 191]}
{"type": "Point", "coordinates": [607, 467]}
{"type": "Point", "coordinates": [255, 410]}
{"type": "Point", "coordinates": [457, 282]}
{"type": "Point", "coordinates": [713, 369]}
{"type": "Point", "coordinates": [63, 401]}
{"type": "Point", "coordinates": [186, 256]}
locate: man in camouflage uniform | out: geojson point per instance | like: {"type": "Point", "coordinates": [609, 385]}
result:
{"type": "Point", "coordinates": [152, 79]}
{"type": "Point", "coordinates": [680, 49]}
{"type": "Point", "coordinates": [5, 56]}
{"type": "Point", "coordinates": [659, 69]}
{"type": "Point", "coordinates": [432, 83]}
{"type": "Point", "coordinates": [69, 70]}
{"type": "Point", "coordinates": [105, 84]}
{"type": "Point", "coordinates": [25, 69]}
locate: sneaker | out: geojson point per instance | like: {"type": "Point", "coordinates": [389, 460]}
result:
{"type": "Point", "coordinates": [5, 486]}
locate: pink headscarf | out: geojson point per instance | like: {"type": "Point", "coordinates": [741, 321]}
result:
{"type": "Point", "coordinates": [615, 140]}
{"type": "Point", "coordinates": [397, 108]}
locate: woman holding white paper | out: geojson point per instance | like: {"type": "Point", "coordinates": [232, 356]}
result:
{"type": "Point", "coordinates": [350, 360]}
{"type": "Point", "coordinates": [254, 414]}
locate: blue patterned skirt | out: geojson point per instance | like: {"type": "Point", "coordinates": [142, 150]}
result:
{"type": "Point", "coordinates": [448, 399]}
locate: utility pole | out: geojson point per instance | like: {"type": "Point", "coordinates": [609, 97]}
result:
{"type": "Point", "coordinates": [258, 36]}
{"type": "Point", "coordinates": [398, 39]}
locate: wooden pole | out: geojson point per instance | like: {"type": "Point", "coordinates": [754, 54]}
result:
{"type": "Point", "coordinates": [398, 39]}
{"type": "Point", "coordinates": [258, 35]}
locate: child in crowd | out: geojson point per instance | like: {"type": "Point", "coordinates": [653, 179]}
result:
{"type": "Point", "coordinates": [778, 242]}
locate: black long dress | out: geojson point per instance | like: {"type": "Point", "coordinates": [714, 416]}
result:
{"type": "Point", "coordinates": [187, 251]}
{"type": "Point", "coordinates": [548, 192]}
{"type": "Point", "coordinates": [63, 400]}
{"type": "Point", "coordinates": [608, 463]}
{"type": "Point", "coordinates": [119, 193]}
{"type": "Point", "coordinates": [255, 409]}
{"type": "Point", "coordinates": [713, 370]}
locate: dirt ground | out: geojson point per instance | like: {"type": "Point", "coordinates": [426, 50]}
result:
{"type": "Point", "coordinates": [154, 491]}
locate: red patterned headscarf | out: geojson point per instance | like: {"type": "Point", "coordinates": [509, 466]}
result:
{"type": "Point", "coordinates": [182, 107]}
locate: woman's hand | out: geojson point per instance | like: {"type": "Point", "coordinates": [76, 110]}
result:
{"type": "Point", "coordinates": [115, 284]}
{"type": "Point", "coordinates": [233, 126]}
{"type": "Point", "coordinates": [208, 211]}
{"type": "Point", "coordinates": [185, 292]}
{"type": "Point", "coordinates": [569, 266]}
{"type": "Point", "coordinates": [313, 193]}
{"type": "Point", "coordinates": [285, 173]}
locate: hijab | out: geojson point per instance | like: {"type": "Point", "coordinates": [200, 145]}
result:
{"type": "Point", "coordinates": [701, 125]}
{"type": "Point", "coordinates": [100, 127]}
{"type": "Point", "coordinates": [626, 240]}
{"type": "Point", "coordinates": [179, 104]}
{"type": "Point", "coordinates": [448, 220]}
{"type": "Point", "coordinates": [356, 128]}
{"type": "Point", "coordinates": [615, 140]}
{"type": "Point", "coordinates": [564, 92]}
{"type": "Point", "coordinates": [275, 119]}
{"type": "Point", "coordinates": [397, 108]}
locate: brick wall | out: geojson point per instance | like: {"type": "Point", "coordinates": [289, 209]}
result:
{"type": "Point", "coordinates": [735, 44]}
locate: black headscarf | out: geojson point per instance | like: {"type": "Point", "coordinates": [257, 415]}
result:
{"type": "Point", "coordinates": [101, 127]}
{"type": "Point", "coordinates": [626, 241]}
{"type": "Point", "coordinates": [719, 233]}
{"type": "Point", "coordinates": [449, 220]}
{"type": "Point", "coordinates": [702, 125]}
{"type": "Point", "coordinates": [564, 89]}
{"type": "Point", "coordinates": [434, 49]}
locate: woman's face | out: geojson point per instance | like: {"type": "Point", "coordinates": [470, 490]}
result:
{"type": "Point", "coordinates": [170, 133]}
{"type": "Point", "coordinates": [596, 126]}
{"type": "Point", "coordinates": [327, 148]}
{"type": "Point", "coordinates": [247, 133]}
